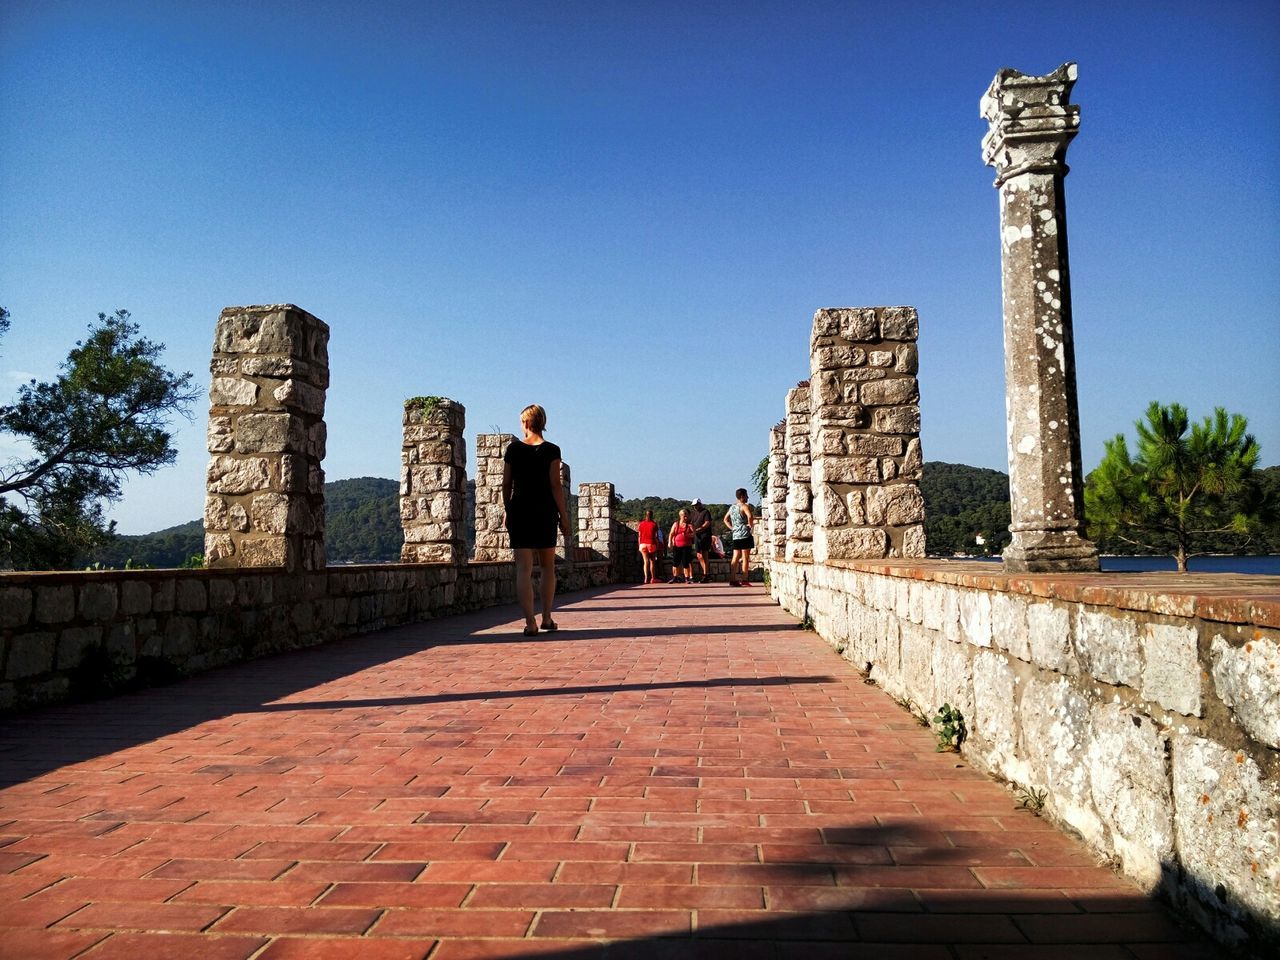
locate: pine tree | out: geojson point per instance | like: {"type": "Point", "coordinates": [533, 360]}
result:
{"type": "Point", "coordinates": [1187, 485]}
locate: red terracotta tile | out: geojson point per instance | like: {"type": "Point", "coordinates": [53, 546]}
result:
{"type": "Point", "coordinates": [174, 946]}
{"type": "Point", "coordinates": [613, 924]}
{"type": "Point", "coordinates": [347, 948]}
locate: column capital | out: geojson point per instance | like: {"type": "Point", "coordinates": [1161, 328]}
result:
{"type": "Point", "coordinates": [1031, 122]}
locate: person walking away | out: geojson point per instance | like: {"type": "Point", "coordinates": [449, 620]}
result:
{"type": "Point", "coordinates": [648, 545]}
{"type": "Point", "coordinates": [681, 549]}
{"type": "Point", "coordinates": [700, 518]}
{"type": "Point", "coordinates": [739, 519]}
{"type": "Point", "coordinates": [533, 498]}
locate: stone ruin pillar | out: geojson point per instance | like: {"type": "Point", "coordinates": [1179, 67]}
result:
{"type": "Point", "coordinates": [265, 487]}
{"type": "Point", "coordinates": [1031, 125]}
{"type": "Point", "coordinates": [776, 493]}
{"type": "Point", "coordinates": [799, 495]}
{"type": "Point", "coordinates": [433, 481]}
{"type": "Point", "coordinates": [566, 483]}
{"type": "Point", "coordinates": [866, 434]}
{"type": "Point", "coordinates": [595, 519]}
{"type": "Point", "coordinates": [493, 543]}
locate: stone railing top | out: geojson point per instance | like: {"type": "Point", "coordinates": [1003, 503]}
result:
{"type": "Point", "coordinates": [1222, 597]}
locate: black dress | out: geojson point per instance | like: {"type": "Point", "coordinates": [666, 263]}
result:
{"type": "Point", "coordinates": [532, 515]}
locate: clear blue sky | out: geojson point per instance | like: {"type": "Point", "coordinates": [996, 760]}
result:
{"type": "Point", "coordinates": [628, 212]}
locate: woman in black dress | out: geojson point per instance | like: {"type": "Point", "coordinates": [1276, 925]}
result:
{"type": "Point", "coordinates": [533, 496]}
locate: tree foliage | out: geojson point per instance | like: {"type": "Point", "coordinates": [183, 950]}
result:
{"type": "Point", "coordinates": [961, 503]}
{"type": "Point", "coordinates": [105, 415]}
{"type": "Point", "coordinates": [1189, 486]}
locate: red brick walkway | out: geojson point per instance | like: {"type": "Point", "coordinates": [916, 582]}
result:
{"type": "Point", "coordinates": [679, 772]}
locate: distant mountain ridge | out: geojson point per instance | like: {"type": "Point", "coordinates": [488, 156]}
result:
{"type": "Point", "coordinates": [363, 519]}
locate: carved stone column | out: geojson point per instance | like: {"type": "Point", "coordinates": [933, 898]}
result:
{"type": "Point", "coordinates": [433, 481]}
{"type": "Point", "coordinates": [776, 492]}
{"type": "Point", "coordinates": [865, 434]}
{"type": "Point", "coordinates": [799, 492]}
{"type": "Point", "coordinates": [265, 488]}
{"type": "Point", "coordinates": [493, 543]}
{"type": "Point", "coordinates": [1031, 126]}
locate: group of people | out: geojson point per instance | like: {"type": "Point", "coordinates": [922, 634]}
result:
{"type": "Point", "coordinates": [534, 504]}
{"type": "Point", "coordinates": [691, 535]}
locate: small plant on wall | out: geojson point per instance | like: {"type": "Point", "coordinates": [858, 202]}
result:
{"type": "Point", "coordinates": [949, 728]}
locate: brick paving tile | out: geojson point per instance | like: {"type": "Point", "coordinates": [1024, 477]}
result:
{"type": "Point", "coordinates": [174, 946]}
{"type": "Point", "coordinates": [362, 948]}
{"type": "Point", "coordinates": [646, 783]}
{"type": "Point", "coordinates": [36, 944]}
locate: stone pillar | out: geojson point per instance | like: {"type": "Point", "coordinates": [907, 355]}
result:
{"type": "Point", "coordinates": [799, 495]}
{"type": "Point", "coordinates": [595, 519]}
{"type": "Point", "coordinates": [566, 483]}
{"type": "Point", "coordinates": [865, 434]}
{"type": "Point", "coordinates": [1031, 125]}
{"type": "Point", "coordinates": [265, 487]}
{"type": "Point", "coordinates": [493, 543]}
{"type": "Point", "coordinates": [433, 481]}
{"type": "Point", "coordinates": [776, 492]}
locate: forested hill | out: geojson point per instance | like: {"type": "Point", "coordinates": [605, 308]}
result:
{"type": "Point", "coordinates": [363, 519]}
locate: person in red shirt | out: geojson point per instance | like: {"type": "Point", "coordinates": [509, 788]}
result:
{"type": "Point", "coordinates": [648, 546]}
{"type": "Point", "coordinates": [682, 549]}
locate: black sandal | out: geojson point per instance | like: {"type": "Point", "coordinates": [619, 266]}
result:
{"type": "Point", "coordinates": [550, 626]}
{"type": "Point", "coordinates": [530, 631]}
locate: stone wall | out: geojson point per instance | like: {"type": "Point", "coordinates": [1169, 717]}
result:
{"type": "Point", "coordinates": [775, 512]}
{"type": "Point", "coordinates": [95, 632]}
{"type": "Point", "coordinates": [1151, 717]}
{"type": "Point", "coordinates": [799, 494]}
{"type": "Point", "coordinates": [865, 434]}
{"type": "Point", "coordinates": [595, 519]}
{"type": "Point", "coordinates": [264, 504]}
{"type": "Point", "coordinates": [493, 543]}
{"type": "Point", "coordinates": [433, 481]}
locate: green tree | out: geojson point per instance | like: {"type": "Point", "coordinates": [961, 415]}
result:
{"type": "Point", "coordinates": [106, 415]}
{"type": "Point", "coordinates": [760, 478]}
{"type": "Point", "coordinates": [1188, 487]}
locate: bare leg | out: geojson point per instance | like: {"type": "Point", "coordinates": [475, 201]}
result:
{"type": "Point", "coordinates": [547, 561]}
{"type": "Point", "coordinates": [746, 566]}
{"type": "Point", "coordinates": [524, 586]}
{"type": "Point", "coordinates": [702, 560]}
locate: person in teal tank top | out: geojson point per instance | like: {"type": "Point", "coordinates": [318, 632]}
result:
{"type": "Point", "coordinates": [739, 519]}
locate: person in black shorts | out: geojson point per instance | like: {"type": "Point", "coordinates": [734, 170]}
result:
{"type": "Point", "coordinates": [533, 497]}
{"type": "Point", "coordinates": [700, 517]}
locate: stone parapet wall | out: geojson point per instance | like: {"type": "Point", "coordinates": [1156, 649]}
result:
{"type": "Point", "coordinates": [492, 540]}
{"type": "Point", "coordinates": [595, 519]}
{"type": "Point", "coordinates": [91, 633]}
{"type": "Point", "coordinates": [433, 481]}
{"type": "Point", "coordinates": [264, 504]}
{"type": "Point", "coordinates": [775, 505]}
{"type": "Point", "coordinates": [1150, 714]}
{"type": "Point", "coordinates": [799, 502]}
{"type": "Point", "coordinates": [865, 434]}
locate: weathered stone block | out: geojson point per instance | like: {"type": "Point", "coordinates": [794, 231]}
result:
{"type": "Point", "coordinates": [1247, 678]}
{"type": "Point", "coordinates": [896, 419]}
{"type": "Point", "coordinates": [850, 470]}
{"type": "Point", "coordinates": [855, 543]}
{"type": "Point", "coordinates": [30, 655]}
{"type": "Point", "coordinates": [74, 643]}
{"type": "Point", "coordinates": [871, 445]}
{"type": "Point", "coordinates": [1049, 636]}
{"type": "Point", "coordinates": [1227, 828]}
{"type": "Point", "coordinates": [219, 434]}
{"type": "Point", "coordinates": [829, 508]}
{"type": "Point", "coordinates": [215, 513]}
{"type": "Point", "coordinates": [15, 606]}
{"type": "Point", "coordinates": [300, 396]}
{"type": "Point", "coordinates": [1108, 647]}
{"type": "Point", "coordinates": [975, 617]}
{"type": "Point", "coordinates": [913, 542]}
{"type": "Point", "coordinates": [906, 359]}
{"type": "Point", "coordinates": [896, 505]}
{"type": "Point", "coordinates": [264, 552]}
{"type": "Point", "coordinates": [98, 601]}
{"type": "Point", "coordinates": [1130, 787]}
{"type": "Point", "coordinates": [55, 604]}
{"type": "Point", "coordinates": [858, 324]}
{"type": "Point", "coordinates": [135, 597]}
{"type": "Point", "coordinates": [234, 475]}
{"type": "Point", "coordinates": [900, 323]}
{"type": "Point", "coordinates": [1055, 734]}
{"type": "Point", "coordinates": [1009, 625]}
{"type": "Point", "coordinates": [883, 392]}
{"type": "Point", "coordinates": [232, 392]}
{"type": "Point", "coordinates": [1171, 666]}
{"type": "Point", "coordinates": [269, 513]}
{"type": "Point", "coordinates": [268, 433]}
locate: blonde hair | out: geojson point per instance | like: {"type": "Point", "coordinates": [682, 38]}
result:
{"type": "Point", "coordinates": [534, 417]}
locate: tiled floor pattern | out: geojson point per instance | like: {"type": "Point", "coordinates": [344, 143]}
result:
{"type": "Point", "coordinates": [678, 772]}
